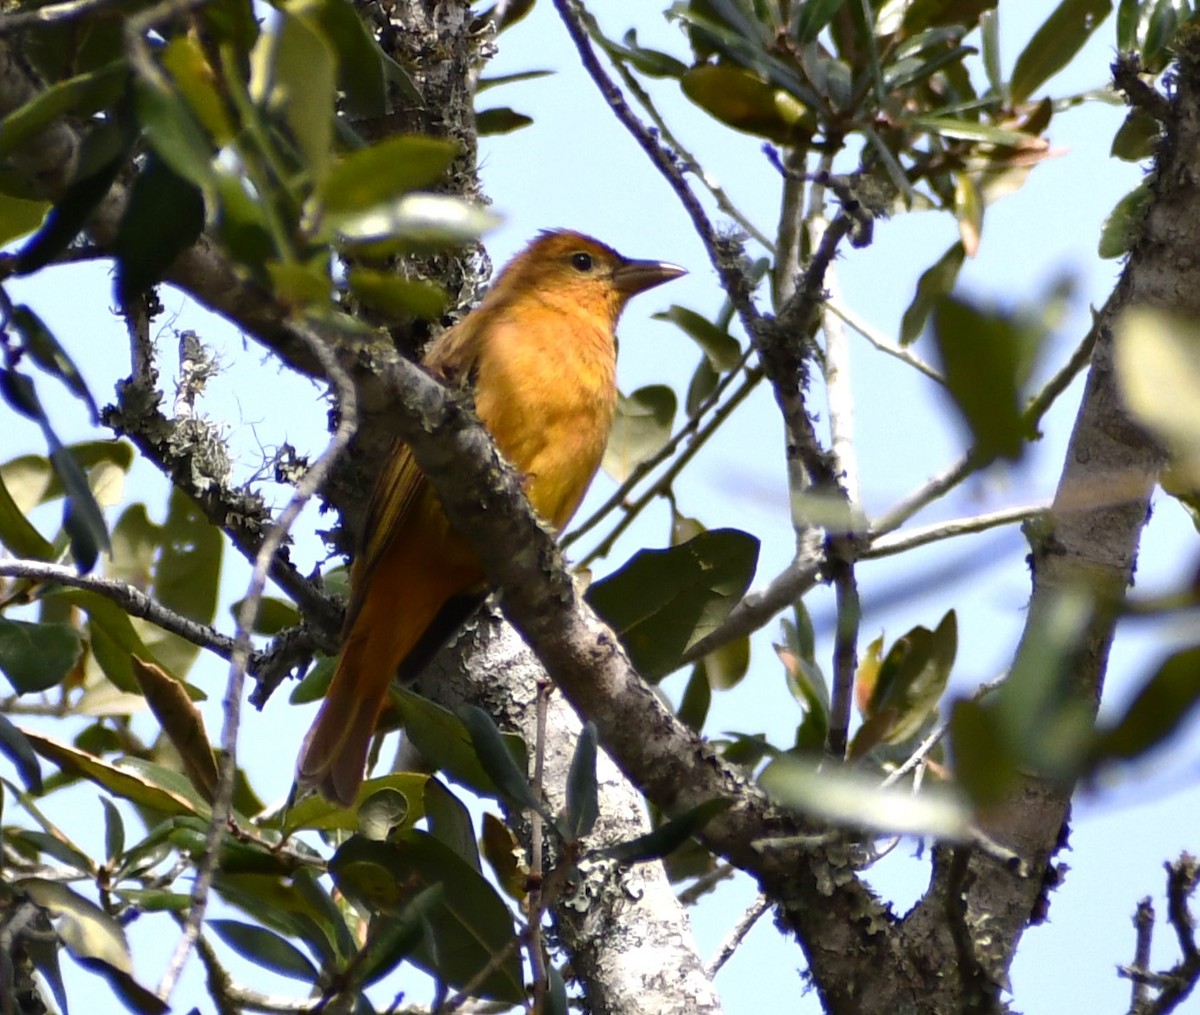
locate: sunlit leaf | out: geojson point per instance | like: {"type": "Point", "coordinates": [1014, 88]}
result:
{"type": "Point", "coordinates": [1060, 37]}
{"type": "Point", "coordinates": [642, 425]}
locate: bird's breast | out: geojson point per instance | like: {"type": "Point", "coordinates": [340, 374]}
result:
{"type": "Point", "coordinates": [547, 391]}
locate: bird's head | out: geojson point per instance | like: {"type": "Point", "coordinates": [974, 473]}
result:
{"type": "Point", "coordinates": [568, 267]}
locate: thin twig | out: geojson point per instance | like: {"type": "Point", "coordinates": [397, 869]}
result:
{"type": "Point", "coordinates": [53, 14]}
{"type": "Point", "coordinates": [306, 489]}
{"type": "Point", "coordinates": [663, 483]}
{"type": "Point", "coordinates": [900, 542]}
{"type": "Point", "coordinates": [132, 600]}
{"type": "Point", "coordinates": [644, 468]}
{"type": "Point", "coordinates": [878, 341]}
{"type": "Point", "coordinates": [735, 937]}
{"type": "Point", "coordinates": [1143, 922]}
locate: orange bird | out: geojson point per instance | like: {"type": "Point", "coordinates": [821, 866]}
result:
{"type": "Point", "coordinates": [539, 353]}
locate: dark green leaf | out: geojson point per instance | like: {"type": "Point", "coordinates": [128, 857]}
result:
{"type": "Point", "coordinates": [704, 382]}
{"type": "Point", "coordinates": [662, 601]}
{"type": "Point", "coordinates": [470, 925]}
{"type": "Point", "coordinates": [1161, 27]}
{"type": "Point", "coordinates": [265, 948]}
{"type": "Point", "coordinates": [721, 348]}
{"type": "Point", "coordinates": [583, 800]}
{"type": "Point", "coordinates": [651, 62]}
{"type": "Point", "coordinates": [985, 357]}
{"type": "Point", "coordinates": [360, 65]}
{"type": "Point", "coordinates": [274, 615]}
{"type": "Point", "coordinates": [111, 636]}
{"type": "Point", "coordinates": [187, 576]}
{"type": "Point", "coordinates": [36, 657]}
{"type": "Point", "coordinates": [174, 133]}
{"type": "Point", "coordinates": [164, 216]}
{"type": "Point", "coordinates": [984, 764]}
{"type": "Point", "coordinates": [510, 79]}
{"type": "Point", "coordinates": [82, 518]}
{"type": "Point", "coordinates": [315, 682]}
{"type": "Point", "coordinates": [697, 697]}
{"type": "Point", "coordinates": [741, 99]}
{"type": "Point", "coordinates": [1159, 708]}
{"type": "Point", "coordinates": [16, 747]}
{"type": "Point", "coordinates": [443, 740]}
{"type": "Point", "coordinates": [1135, 139]}
{"type": "Point", "coordinates": [500, 120]}
{"type": "Point", "coordinates": [1124, 223]}
{"type": "Point", "coordinates": [668, 837]}
{"type": "Point", "coordinates": [46, 351]}
{"type": "Point", "coordinates": [114, 832]}
{"type": "Point", "coordinates": [393, 938]}
{"type": "Point", "coordinates": [813, 16]}
{"type": "Point", "coordinates": [556, 994]}
{"type": "Point", "coordinates": [1060, 37]}
{"type": "Point", "coordinates": [19, 214]}
{"type": "Point", "coordinates": [497, 761]}
{"type": "Point", "coordinates": [450, 821]}
{"type": "Point", "coordinates": [922, 14]}
{"type": "Point", "coordinates": [935, 282]}
{"type": "Point", "coordinates": [1128, 15]}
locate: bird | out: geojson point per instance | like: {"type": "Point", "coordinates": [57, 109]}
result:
{"type": "Point", "coordinates": [538, 355]}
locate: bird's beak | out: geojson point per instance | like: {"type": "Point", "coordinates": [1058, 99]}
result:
{"type": "Point", "coordinates": [633, 277]}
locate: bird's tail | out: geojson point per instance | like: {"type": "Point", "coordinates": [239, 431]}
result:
{"type": "Point", "coordinates": [401, 604]}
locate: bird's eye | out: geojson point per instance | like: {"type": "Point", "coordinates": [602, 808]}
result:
{"type": "Point", "coordinates": [581, 261]}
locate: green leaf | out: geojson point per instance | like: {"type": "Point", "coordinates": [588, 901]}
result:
{"type": "Point", "coordinates": [187, 577]}
{"type": "Point", "coordinates": [1157, 358]}
{"type": "Point", "coordinates": [174, 133]}
{"type": "Point", "coordinates": [496, 760]}
{"type": "Point", "coordinates": [855, 800]}
{"type": "Point", "coordinates": [398, 299]}
{"type": "Point", "coordinates": [385, 171]}
{"type": "Point", "coordinates": [301, 68]}
{"type": "Point", "coordinates": [470, 925]}
{"type": "Point", "coordinates": [935, 282]}
{"type": "Point", "coordinates": [443, 740]}
{"type": "Point", "coordinates": [651, 62]}
{"type": "Point", "coordinates": [111, 635]}
{"type": "Point", "coordinates": [450, 821]}
{"type": "Point", "coordinates": [583, 800]}
{"type": "Point", "coordinates": [1124, 223]}
{"type": "Point", "coordinates": [266, 949]}
{"type": "Point", "coordinates": [667, 837]}
{"type": "Point", "coordinates": [274, 615]}
{"type": "Point", "coordinates": [500, 120]}
{"type": "Point", "coordinates": [812, 17]}
{"type": "Point", "coordinates": [19, 216]}
{"type": "Point", "coordinates": [1136, 137]}
{"type": "Point", "coordinates": [87, 930]}
{"type": "Point", "coordinates": [971, 130]}
{"type": "Point", "coordinates": [114, 832]}
{"type": "Point", "coordinates": [36, 657]}
{"type": "Point", "coordinates": [641, 426]}
{"type": "Point", "coordinates": [510, 79]}
{"type": "Point", "coordinates": [15, 746]}
{"type": "Point", "coordinates": [1060, 37]}
{"type": "Point", "coordinates": [316, 812]}
{"type": "Point", "coordinates": [663, 601]}
{"type": "Point", "coordinates": [721, 348]}
{"type": "Point", "coordinates": [985, 357]}
{"type": "Point", "coordinates": [361, 77]}
{"type": "Point", "coordinates": [82, 95]}
{"type": "Point", "coordinates": [164, 217]}
{"type": "Point", "coordinates": [48, 353]}
{"type": "Point", "coordinates": [1158, 709]}
{"type": "Point", "coordinates": [741, 99]}
{"type": "Point", "coordinates": [16, 531]}
{"type": "Point", "coordinates": [1128, 16]}
{"type": "Point", "coordinates": [381, 813]}
{"type": "Point", "coordinates": [393, 938]}
{"type": "Point", "coordinates": [922, 14]}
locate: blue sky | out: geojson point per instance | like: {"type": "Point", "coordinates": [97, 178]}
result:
{"type": "Point", "coordinates": [576, 167]}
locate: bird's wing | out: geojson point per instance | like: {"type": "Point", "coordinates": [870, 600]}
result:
{"type": "Point", "coordinates": [401, 484]}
